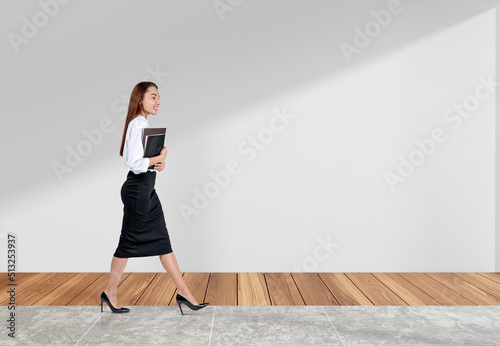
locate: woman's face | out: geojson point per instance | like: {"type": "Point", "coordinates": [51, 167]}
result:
{"type": "Point", "coordinates": [151, 100]}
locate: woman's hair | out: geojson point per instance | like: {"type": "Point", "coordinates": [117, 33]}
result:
{"type": "Point", "coordinates": [134, 108]}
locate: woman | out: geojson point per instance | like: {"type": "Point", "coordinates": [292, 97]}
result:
{"type": "Point", "coordinates": [144, 232]}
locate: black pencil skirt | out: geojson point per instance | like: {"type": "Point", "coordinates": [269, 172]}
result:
{"type": "Point", "coordinates": [144, 232]}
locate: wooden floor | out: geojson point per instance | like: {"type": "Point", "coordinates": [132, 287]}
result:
{"type": "Point", "coordinates": [70, 289]}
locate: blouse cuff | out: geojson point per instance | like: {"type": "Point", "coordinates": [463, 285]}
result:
{"type": "Point", "coordinates": [145, 164]}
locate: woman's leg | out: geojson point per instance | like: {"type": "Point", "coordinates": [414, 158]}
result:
{"type": "Point", "coordinates": [117, 268]}
{"type": "Point", "coordinates": [170, 264]}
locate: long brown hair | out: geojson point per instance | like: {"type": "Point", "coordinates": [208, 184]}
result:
{"type": "Point", "coordinates": [134, 108]}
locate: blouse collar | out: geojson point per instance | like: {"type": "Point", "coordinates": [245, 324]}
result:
{"type": "Point", "coordinates": [142, 117]}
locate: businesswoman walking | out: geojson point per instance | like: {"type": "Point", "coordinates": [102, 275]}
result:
{"type": "Point", "coordinates": [144, 232]}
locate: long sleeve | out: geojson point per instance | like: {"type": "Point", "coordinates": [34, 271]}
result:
{"type": "Point", "coordinates": [134, 159]}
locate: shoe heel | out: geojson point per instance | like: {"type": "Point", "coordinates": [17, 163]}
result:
{"type": "Point", "coordinates": [182, 300]}
{"type": "Point", "coordinates": [104, 298]}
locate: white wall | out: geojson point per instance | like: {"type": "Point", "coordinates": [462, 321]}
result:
{"type": "Point", "coordinates": [316, 196]}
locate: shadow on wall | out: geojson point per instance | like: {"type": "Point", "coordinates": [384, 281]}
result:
{"type": "Point", "coordinates": [259, 49]}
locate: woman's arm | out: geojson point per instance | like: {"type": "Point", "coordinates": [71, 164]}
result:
{"type": "Point", "coordinates": [159, 158]}
{"type": "Point", "coordinates": [135, 160]}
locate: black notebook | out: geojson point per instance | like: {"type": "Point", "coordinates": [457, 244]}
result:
{"type": "Point", "coordinates": [153, 141]}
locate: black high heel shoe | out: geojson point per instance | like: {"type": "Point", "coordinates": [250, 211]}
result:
{"type": "Point", "coordinates": [181, 300]}
{"type": "Point", "coordinates": [104, 298]}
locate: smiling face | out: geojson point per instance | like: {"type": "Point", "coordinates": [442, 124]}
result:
{"type": "Point", "coordinates": [151, 101]}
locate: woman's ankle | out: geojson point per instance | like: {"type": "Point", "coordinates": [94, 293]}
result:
{"type": "Point", "coordinates": [110, 290]}
{"type": "Point", "coordinates": [183, 293]}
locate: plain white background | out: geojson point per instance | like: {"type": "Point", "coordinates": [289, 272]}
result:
{"type": "Point", "coordinates": [314, 196]}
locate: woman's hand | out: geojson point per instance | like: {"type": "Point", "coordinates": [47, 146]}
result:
{"type": "Point", "coordinates": [159, 166]}
{"type": "Point", "coordinates": [158, 159]}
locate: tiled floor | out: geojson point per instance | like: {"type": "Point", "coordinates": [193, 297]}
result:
{"type": "Point", "coordinates": [255, 325]}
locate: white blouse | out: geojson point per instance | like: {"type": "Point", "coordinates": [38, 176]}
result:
{"type": "Point", "coordinates": [133, 149]}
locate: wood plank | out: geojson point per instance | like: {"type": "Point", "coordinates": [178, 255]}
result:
{"type": "Point", "coordinates": [441, 293]}
{"type": "Point", "coordinates": [252, 289]}
{"type": "Point", "coordinates": [63, 294]}
{"type": "Point", "coordinates": [23, 281]}
{"type": "Point", "coordinates": [197, 284]}
{"type": "Point", "coordinates": [44, 286]}
{"type": "Point", "coordinates": [282, 289]}
{"type": "Point", "coordinates": [376, 291]}
{"type": "Point", "coordinates": [222, 289]}
{"type": "Point", "coordinates": [26, 279]}
{"type": "Point", "coordinates": [313, 289]}
{"type": "Point", "coordinates": [492, 276]}
{"type": "Point", "coordinates": [131, 289]}
{"type": "Point", "coordinates": [45, 289]}
{"type": "Point", "coordinates": [465, 289]}
{"type": "Point", "coordinates": [5, 278]}
{"type": "Point", "coordinates": [159, 292]}
{"type": "Point", "coordinates": [409, 293]}
{"type": "Point", "coordinates": [482, 282]}
{"type": "Point", "coordinates": [344, 291]}
{"type": "Point", "coordinates": [92, 294]}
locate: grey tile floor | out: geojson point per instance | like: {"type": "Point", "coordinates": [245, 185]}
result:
{"type": "Point", "coordinates": [255, 325]}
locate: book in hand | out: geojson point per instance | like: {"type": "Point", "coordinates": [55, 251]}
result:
{"type": "Point", "coordinates": [153, 141]}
